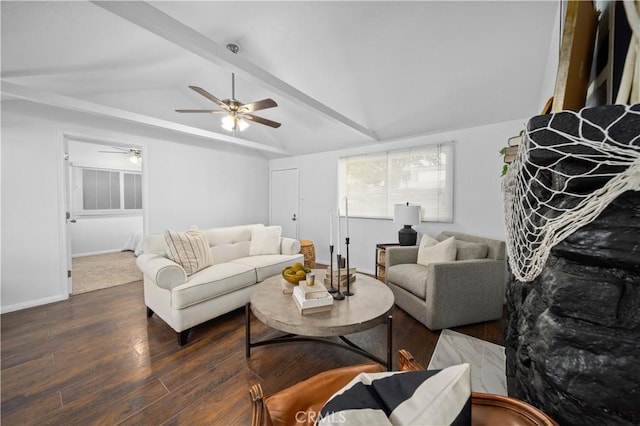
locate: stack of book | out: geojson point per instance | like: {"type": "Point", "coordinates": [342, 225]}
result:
{"type": "Point", "coordinates": [312, 299]}
{"type": "Point", "coordinates": [344, 274]}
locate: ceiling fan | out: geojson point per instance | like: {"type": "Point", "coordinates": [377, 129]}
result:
{"type": "Point", "coordinates": [134, 153]}
{"type": "Point", "coordinates": [237, 112]}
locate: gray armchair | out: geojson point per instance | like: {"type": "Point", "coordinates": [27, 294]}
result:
{"type": "Point", "coordinates": [449, 294]}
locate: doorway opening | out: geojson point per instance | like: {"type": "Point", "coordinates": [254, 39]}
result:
{"type": "Point", "coordinates": [104, 214]}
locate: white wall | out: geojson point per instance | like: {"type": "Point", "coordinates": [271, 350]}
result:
{"type": "Point", "coordinates": [194, 182]}
{"type": "Point", "coordinates": [478, 207]}
{"type": "Point", "coordinates": [102, 234]}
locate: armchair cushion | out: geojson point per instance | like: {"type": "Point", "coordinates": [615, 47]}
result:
{"type": "Point", "coordinates": [412, 276]}
{"type": "Point", "coordinates": [467, 250]}
{"type": "Point", "coordinates": [430, 252]}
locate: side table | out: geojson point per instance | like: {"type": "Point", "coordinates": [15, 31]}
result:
{"type": "Point", "coordinates": [381, 259]}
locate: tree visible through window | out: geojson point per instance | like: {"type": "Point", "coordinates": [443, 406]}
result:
{"type": "Point", "coordinates": [375, 182]}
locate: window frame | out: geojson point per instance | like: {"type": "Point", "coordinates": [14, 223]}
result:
{"type": "Point", "coordinates": [78, 196]}
{"type": "Point", "coordinates": [449, 182]}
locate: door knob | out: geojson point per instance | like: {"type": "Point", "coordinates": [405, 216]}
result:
{"type": "Point", "coordinates": [294, 217]}
{"type": "Point", "coordinates": [72, 221]}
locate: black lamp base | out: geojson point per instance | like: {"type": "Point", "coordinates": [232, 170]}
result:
{"type": "Point", "coordinates": [407, 236]}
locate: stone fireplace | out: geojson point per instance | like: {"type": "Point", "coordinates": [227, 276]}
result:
{"type": "Point", "coordinates": [573, 333]}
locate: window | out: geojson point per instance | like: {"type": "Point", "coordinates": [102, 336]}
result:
{"type": "Point", "coordinates": [375, 182]}
{"type": "Point", "coordinates": [99, 191]}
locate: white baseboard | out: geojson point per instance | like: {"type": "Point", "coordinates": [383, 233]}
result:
{"type": "Point", "coordinates": [32, 303]}
{"type": "Point", "coordinates": [93, 253]}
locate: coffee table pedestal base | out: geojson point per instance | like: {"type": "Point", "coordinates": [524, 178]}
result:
{"type": "Point", "coordinates": [292, 338]}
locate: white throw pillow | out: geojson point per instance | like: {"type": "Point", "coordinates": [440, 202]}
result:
{"type": "Point", "coordinates": [188, 249]}
{"type": "Point", "coordinates": [265, 240]}
{"type": "Point", "coordinates": [425, 241]}
{"type": "Point", "coordinates": [430, 252]}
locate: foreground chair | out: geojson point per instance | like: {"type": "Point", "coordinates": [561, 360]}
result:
{"type": "Point", "coordinates": [301, 403]}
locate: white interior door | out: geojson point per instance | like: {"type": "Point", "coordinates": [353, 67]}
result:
{"type": "Point", "coordinates": [69, 219]}
{"type": "Point", "coordinates": [284, 201]}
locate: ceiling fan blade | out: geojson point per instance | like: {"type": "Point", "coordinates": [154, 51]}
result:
{"type": "Point", "coordinates": [258, 105]}
{"type": "Point", "coordinates": [209, 96]}
{"type": "Point", "coordinates": [210, 111]}
{"type": "Point", "coordinates": [120, 149]}
{"type": "Point", "coordinates": [113, 152]}
{"type": "Point", "coordinates": [261, 120]}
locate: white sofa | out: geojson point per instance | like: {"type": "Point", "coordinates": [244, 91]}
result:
{"type": "Point", "coordinates": [185, 301]}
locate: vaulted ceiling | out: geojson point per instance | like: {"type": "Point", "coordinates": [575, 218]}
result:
{"type": "Point", "coordinates": [343, 73]}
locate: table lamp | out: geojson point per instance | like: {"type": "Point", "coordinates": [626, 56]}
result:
{"type": "Point", "coordinates": [407, 216]}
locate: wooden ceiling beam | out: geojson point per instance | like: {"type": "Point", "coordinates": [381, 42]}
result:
{"type": "Point", "coordinates": [148, 17]}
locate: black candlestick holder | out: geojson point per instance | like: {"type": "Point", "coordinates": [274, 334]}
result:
{"type": "Point", "coordinates": [331, 288]}
{"type": "Point", "coordinates": [348, 292]}
{"type": "Point", "coordinates": [338, 294]}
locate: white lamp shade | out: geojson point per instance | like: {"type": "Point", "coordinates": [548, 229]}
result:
{"type": "Point", "coordinates": [406, 215]}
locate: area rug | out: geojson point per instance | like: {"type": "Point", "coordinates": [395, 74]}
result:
{"type": "Point", "coordinates": [100, 271]}
{"type": "Point", "coordinates": [487, 360]}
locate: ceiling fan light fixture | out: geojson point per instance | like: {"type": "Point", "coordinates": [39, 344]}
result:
{"type": "Point", "coordinates": [231, 122]}
{"type": "Point", "coordinates": [242, 124]}
{"type": "Point", "coordinates": [228, 122]}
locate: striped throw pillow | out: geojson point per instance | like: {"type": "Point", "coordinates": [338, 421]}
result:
{"type": "Point", "coordinates": [428, 397]}
{"type": "Point", "coordinates": [188, 249]}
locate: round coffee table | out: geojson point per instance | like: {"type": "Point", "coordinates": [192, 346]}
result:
{"type": "Point", "coordinates": [370, 306]}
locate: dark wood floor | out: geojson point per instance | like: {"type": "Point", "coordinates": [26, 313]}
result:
{"type": "Point", "coordinates": [96, 359]}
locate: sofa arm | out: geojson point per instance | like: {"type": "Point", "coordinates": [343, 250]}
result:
{"type": "Point", "coordinates": [464, 291]}
{"type": "Point", "coordinates": [398, 255]}
{"type": "Point", "coordinates": [289, 246]}
{"type": "Point", "coordinates": [164, 272]}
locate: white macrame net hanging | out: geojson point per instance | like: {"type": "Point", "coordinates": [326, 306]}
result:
{"type": "Point", "coordinates": [553, 189]}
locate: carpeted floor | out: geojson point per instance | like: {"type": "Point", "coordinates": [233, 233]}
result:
{"type": "Point", "coordinates": [104, 270]}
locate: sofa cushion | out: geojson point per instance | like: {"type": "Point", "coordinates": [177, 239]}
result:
{"type": "Point", "coordinates": [214, 281]}
{"type": "Point", "coordinates": [268, 265]}
{"type": "Point", "coordinates": [410, 276]}
{"type": "Point", "coordinates": [444, 251]}
{"type": "Point", "coordinates": [189, 250]}
{"type": "Point", "coordinates": [265, 240]}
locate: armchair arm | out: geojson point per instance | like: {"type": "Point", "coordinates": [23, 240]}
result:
{"type": "Point", "coordinates": [397, 255]}
{"type": "Point", "coordinates": [162, 271]}
{"type": "Point", "coordinates": [289, 246]}
{"type": "Point", "coordinates": [301, 403]}
{"type": "Point", "coordinates": [464, 292]}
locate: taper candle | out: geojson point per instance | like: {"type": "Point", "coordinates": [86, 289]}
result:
{"type": "Point", "coordinates": [338, 251]}
{"type": "Point", "coordinates": [330, 227]}
{"type": "Point", "coordinates": [346, 214]}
